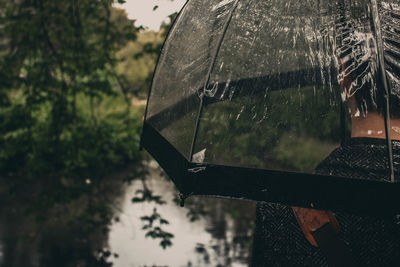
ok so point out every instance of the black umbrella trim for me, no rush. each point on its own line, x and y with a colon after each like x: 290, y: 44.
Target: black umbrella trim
x: 358, y: 196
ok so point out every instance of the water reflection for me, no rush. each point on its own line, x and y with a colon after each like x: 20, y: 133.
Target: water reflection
x: 108, y: 225
x: 67, y: 231
x: 207, y: 231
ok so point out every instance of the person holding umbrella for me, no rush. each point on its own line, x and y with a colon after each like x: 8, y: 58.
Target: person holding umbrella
x: 288, y: 102
x: 306, y: 237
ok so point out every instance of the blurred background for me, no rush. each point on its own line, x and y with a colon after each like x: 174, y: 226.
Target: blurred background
x: 74, y: 188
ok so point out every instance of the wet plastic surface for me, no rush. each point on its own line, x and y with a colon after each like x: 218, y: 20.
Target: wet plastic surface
x: 278, y: 85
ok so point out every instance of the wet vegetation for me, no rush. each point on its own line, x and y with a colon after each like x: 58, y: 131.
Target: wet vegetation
x: 67, y: 126
x: 264, y: 133
x: 73, y: 81
x: 74, y: 77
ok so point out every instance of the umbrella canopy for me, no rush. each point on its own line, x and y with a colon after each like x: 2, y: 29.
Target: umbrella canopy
x: 250, y: 98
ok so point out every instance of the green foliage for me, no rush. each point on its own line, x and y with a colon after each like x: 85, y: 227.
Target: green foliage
x: 291, y: 129
x: 69, y: 73
x: 63, y: 117
x: 301, y: 153
x: 137, y: 60
x: 136, y: 63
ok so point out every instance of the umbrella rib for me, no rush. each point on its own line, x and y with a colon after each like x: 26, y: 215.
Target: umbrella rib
x: 201, y: 105
x: 382, y: 67
x: 342, y: 107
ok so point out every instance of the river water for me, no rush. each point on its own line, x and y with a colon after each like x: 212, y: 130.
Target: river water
x: 220, y: 234
x: 105, y: 227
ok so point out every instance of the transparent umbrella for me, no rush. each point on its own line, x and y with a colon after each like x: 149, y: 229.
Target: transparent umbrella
x: 293, y: 102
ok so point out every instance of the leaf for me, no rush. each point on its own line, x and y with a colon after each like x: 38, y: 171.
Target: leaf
x: 155, y: 7
x: 165, y: 243
x: 168, y: 235
x: 163, y: 221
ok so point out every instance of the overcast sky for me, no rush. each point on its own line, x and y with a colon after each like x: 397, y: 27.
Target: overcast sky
x: 142, y: 11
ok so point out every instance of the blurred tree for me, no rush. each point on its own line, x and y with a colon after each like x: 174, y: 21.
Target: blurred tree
x: 138, y: 59
x: 62, y: 117
x: 136, y: 63
x: 56, y: 50
x: 64, y: 127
